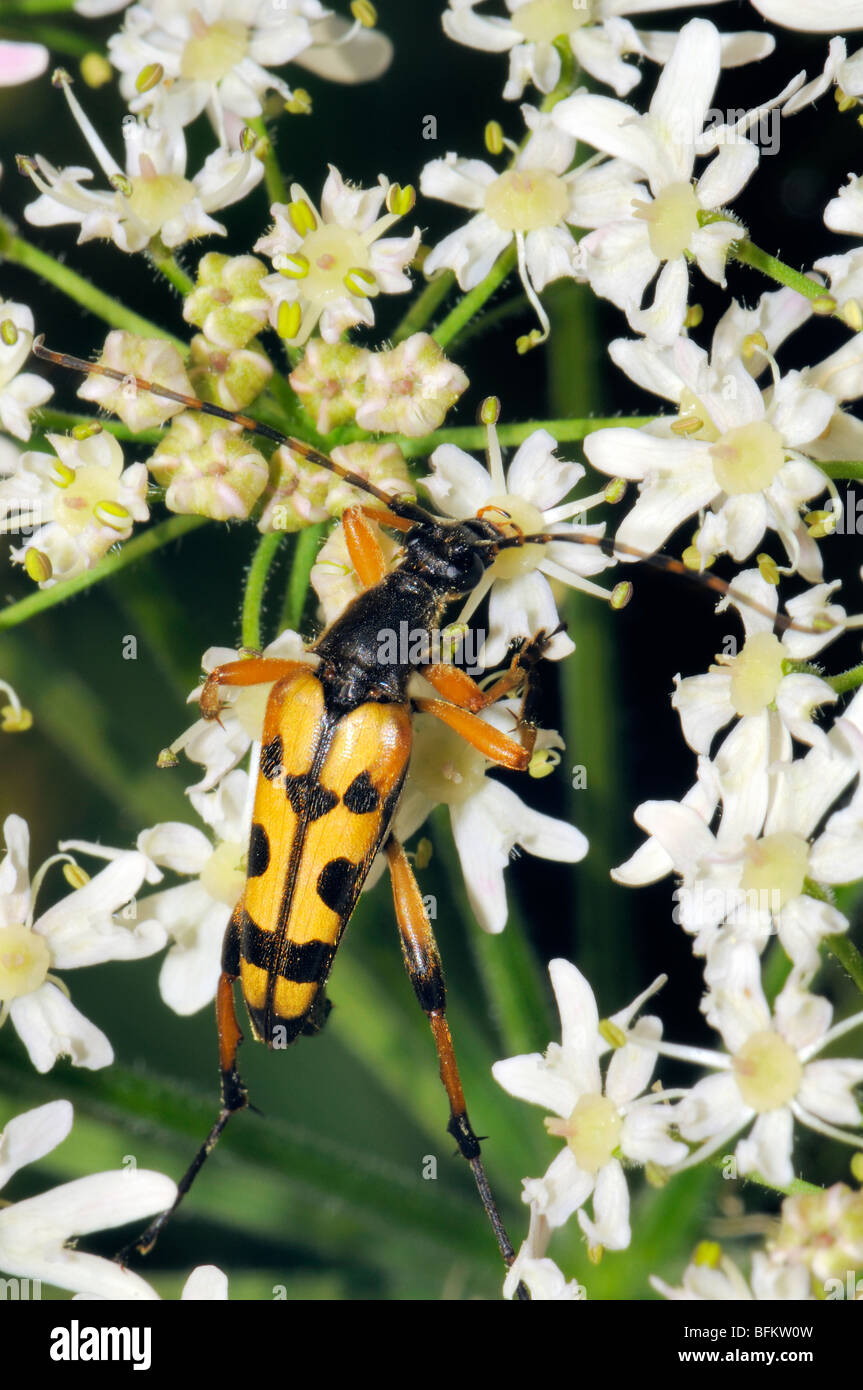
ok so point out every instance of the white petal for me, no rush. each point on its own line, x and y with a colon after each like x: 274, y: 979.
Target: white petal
x: 579, y: 1018
x: 704, y: 705
x: 50, y: 1026
x: 206, y: 1282
x: 802, y: 14
x: 827, y: 1090
x: 610, y: 1227
x: 632, y: 1066
x: 767, y: 1150
x: 530, y: 1078
x: 458, y: 484
x: 32, y: 1232
x: 31, y: 1136
x: 184, y: 849
x: 685, y: 90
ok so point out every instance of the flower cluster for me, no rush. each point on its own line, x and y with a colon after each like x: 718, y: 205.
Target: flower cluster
x: 291, y: 398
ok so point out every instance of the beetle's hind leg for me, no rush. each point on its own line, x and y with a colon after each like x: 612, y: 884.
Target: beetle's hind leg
x: 422, y: 961
x: 234, y: 1094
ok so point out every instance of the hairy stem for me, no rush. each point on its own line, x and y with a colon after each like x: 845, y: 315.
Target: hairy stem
x: 256, y: 584
x: 21, y: 252
x: 305, y: 554
x: 143, y: 544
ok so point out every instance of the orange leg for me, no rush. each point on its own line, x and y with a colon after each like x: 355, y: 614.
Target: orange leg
x: 364, y: 549
x: 489, y: 741
x: 422, y: 961
x: 462, y: 690
x: 234, y: 1094
x: 255, y: 670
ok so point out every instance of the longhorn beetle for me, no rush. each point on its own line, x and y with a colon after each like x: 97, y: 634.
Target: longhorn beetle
x: 335, y: 749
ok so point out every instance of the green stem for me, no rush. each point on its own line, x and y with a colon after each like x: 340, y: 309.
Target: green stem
x: 166, y: 264
x: 39, y: 6
x: 275, y: 184
x: 847, y: 955
x: 21, y: 252
x: 462, y: 313
x: 748, y: 253
x: 459, y: 316
x: 55, y: 420
x: 474, y: 436
x: 842, y: 468
x: 846, y: 680
x: 144, y: 544
x: 424, y: 308
x: 256, y: 583
x: 53, y: 36
x: 305, y: 554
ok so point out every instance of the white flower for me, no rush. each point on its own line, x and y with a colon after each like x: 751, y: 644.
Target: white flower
x: 846, y: 72
x: 752, y: 873
x: 73, y: 507
x: 488, y: 820
x: 219, y: 744
x: 769, y: 1077
x: 599, y: 1119
x: 331, y: 262
x: 722, y: 1280
x: 37, y: 1235
x: 530, y: 496
x: 740, y: 462
x: 153, y: 198
x: 533, y: 202
x: 598, y: 34
x: 20, y: 392
x: 195, y: 913
x: 21, y: 62
x: 409, y: 388
x: 150, y: 359
x: 216, y: 55
x: 540, y: 1275
x: 755, y: 682
x: 78, y: 930
x: 676, y: 219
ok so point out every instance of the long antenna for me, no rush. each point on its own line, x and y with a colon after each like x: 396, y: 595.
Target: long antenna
x: 402, y: 507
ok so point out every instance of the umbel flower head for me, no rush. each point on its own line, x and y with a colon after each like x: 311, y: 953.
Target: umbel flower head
x: 673, y: 220
x: 598, y: 1118
x: 152, y: 200
x: 332, y: 262
x: 37, y: 1235
x: 78, y: 930
x: 529, y: 496
x: 178, y: 60
x: 73, y: 505
x: 597, y: 31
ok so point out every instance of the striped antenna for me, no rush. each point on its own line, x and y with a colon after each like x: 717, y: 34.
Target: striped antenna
x: 410, y: 510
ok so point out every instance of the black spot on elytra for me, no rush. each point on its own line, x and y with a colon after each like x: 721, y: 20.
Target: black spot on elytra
x: 259, y: 852
x: 337, y: 885
x: 271, y: 758
x: 362, y: 796
x: 306, y: 962
x: 307, y: 797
